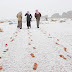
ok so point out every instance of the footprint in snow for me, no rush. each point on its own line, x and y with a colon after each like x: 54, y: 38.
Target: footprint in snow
x: 5, y: 50
x: 32, y: 55
x: 10, y: 37
x: 31, y: 40
x: 35, y: 66
x: 12, y: 40
x: 57, y: 43
x: 0, y: 57
x: 29, y: 43
x: 34, y: 48
x: 65, y: 49
x: 57, y: 39
x: 6, y: 45
x: 1, y: 68
x: 16, y: 32
x: 15, y: 35
x: 62, y: 57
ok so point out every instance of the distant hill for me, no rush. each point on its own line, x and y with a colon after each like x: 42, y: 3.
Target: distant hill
x: 64, y: 15
x: 67, y: 15
x: 56, y: 15
x: 44, y: 17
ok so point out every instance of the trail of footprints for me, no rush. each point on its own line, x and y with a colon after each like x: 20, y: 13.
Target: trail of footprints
x: 7, y: 49
x: 11, y: 40
x: 31, y: 54
x: 64, y: 48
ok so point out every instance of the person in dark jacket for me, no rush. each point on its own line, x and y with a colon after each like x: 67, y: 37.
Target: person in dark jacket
x: 37, y: 16
x: 29, y: 17
x: 19, y: 16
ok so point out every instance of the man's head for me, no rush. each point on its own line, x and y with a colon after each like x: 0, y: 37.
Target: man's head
x: 37, y: 11
x: 28, y: 12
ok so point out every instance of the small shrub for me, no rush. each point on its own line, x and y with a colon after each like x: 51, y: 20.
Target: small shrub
x: 1, y: 22
x: 1, y: 30
x: 10, y: 23
x: 62, y: 21
x: 53, y: 20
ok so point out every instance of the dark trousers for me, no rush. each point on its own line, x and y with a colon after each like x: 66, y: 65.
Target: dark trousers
x: 28, y: 24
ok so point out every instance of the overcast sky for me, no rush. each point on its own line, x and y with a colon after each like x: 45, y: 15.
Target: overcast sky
x: 9, y: 8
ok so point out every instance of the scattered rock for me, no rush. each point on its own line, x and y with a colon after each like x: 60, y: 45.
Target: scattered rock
x: 57, y: 39
x: 53, y: 20
x: 62, y: 21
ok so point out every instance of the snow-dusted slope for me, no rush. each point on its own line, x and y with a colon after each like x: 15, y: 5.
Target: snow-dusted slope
x: 49, y: 47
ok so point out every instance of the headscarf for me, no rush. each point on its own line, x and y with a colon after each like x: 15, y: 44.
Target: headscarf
x: 28, y: 12
x: 37, y: 11
x: 20, y: 13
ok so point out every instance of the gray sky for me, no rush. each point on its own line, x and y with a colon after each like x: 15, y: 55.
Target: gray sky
x: 9, y: 8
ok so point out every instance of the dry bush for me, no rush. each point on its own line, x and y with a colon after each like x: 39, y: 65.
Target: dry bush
x: 10, y: 23
x: 1, y: 30
x: 46, y: 19
x: 53, y: 20
x: 40, y: 22
x: 62, y: 21
x: 1, y: 21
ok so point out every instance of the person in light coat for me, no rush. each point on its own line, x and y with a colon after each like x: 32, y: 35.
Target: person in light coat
x: 19, y: 16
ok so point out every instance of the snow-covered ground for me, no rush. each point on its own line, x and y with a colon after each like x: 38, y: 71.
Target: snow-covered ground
x: 47, y: 49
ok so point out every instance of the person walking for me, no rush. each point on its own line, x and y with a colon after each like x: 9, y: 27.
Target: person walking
x: 29, y: 17
x: 37, y: 16
x: 19, y: 16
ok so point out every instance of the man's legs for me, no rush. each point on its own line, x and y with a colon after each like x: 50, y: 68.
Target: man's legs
x: 37, y: 23
x: 28, y: 24
x: 20, y: 25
